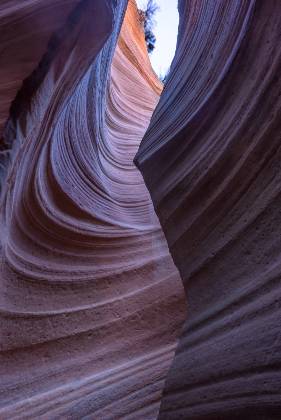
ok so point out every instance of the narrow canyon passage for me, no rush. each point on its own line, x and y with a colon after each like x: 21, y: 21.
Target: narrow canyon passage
x: 95, y: 320
x: 91, y: 302
x: 211, y: 161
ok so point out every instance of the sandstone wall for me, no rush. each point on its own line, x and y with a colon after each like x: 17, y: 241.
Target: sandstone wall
x: 91, y: 303
x: 211, y: 161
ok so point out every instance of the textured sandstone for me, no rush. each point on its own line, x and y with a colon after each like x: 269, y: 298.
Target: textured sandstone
x: 91, y: 303
x: 25, y: 31
x: 211, y: 160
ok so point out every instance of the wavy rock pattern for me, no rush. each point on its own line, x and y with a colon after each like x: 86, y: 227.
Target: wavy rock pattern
x: 25, y: 30
x: 211, y: 160
x: 91, y: 303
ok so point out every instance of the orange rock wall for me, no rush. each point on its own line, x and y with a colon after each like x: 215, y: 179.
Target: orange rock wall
x: 91, y: 303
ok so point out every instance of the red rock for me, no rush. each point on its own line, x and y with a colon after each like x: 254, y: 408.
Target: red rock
x: 211, y: 161
x: 91, y: 303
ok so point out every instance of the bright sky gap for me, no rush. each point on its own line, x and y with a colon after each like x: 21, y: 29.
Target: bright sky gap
x: 166, y: 31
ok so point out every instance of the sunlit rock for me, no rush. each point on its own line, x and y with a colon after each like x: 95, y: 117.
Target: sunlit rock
x: 91, y: 303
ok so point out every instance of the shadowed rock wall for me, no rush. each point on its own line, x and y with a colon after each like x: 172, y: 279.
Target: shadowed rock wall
x: 211, y: 161
x: 91, y: 303
x: 26, y: 27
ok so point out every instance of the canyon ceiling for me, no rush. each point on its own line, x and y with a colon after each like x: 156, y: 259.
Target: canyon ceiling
x: 133, y: 214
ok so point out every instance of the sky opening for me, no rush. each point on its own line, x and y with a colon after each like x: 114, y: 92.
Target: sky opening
x: 166, y: 31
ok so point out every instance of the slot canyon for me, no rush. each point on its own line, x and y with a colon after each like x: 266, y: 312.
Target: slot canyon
x: 140, y: 223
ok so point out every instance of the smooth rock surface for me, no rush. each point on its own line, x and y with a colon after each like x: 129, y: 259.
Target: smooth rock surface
x: 211, y: 161
x: 25, y: 31
x: 91, y: 303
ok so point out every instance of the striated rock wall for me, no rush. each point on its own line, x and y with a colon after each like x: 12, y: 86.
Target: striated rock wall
x: 211, y: 161
x: 91, y: 303
x: 26, y: 27
x: 25, y: 31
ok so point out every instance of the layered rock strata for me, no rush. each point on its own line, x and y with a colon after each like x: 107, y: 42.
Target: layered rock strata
x: 211, y: 161
x: 91, y: 303
x: 26, y: 29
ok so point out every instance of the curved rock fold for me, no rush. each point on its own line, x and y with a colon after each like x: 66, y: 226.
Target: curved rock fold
x: 210, y: 161
x: 91, y: 302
